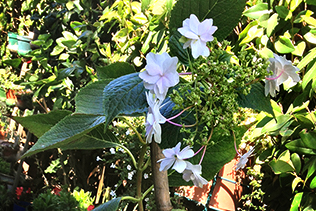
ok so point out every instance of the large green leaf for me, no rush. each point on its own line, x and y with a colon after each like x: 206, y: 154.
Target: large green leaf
x: 124, y: 95
x: 115, y: 70
x: 96, y: 139
x: 40, y: 123
x: 176, y: 49
x: 90, y: 98
x: 68, y: 129
x: 110, y: 205
x: 256, y: 99
x: 225, y: 14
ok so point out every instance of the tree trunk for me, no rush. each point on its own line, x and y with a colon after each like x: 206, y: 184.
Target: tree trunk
x: 161, y: 185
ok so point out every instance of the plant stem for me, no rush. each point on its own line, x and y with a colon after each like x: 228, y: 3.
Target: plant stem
x: 160, y: 179
x: 139, y: 178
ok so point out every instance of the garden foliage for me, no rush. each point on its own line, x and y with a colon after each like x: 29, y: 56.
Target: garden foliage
x: 85, y: 69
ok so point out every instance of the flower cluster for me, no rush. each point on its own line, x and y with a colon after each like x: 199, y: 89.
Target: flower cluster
x: 159, y: 75
x: 282, y: 70
x: 176, y: 158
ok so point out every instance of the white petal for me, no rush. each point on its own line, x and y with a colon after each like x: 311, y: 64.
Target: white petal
x: 179, y: 165
x: 166, y: 163
x: 185, y: 153
x: 199, y: 48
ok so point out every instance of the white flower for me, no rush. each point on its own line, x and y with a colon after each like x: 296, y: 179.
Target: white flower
x: 145, y: 176
x: 198, y: 34
x: 98, y: 158
x: 193, y: 172
x: 113, y: 166
x: 154, y: 119
x: 129, y: 167
x: 112, y: 193
x: 244, y: 159
x: 160, y: 74
x: 282, y: 70
x: 112, y: 150
x: 130, y: 175
x: 176, y: 158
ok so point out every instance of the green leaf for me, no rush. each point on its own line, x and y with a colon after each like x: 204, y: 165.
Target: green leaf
x: 295, y: 182
x: 145, y: 5
x: 307, y: 59
x: 96, y: 139
x: 296, y: 160
x: 272, y: 23
x: 225, y: 14
x: 256, y: 11
x: 283, y: 12
x: 13, y: 62
x: 294, y: 4
x: 305, y: 145
x: 284, y: 45
x: 115, y: 70
x: 310, y: 2
x: 124, y: 95
x: 90, y: 98
x: 68, y: 129
x: 313, y: 183
x: 110, y: 205
x: 3, y: 96
x: 255, y: 99
x: 40, y: 123
x: 57, y: 50
x: 299, y: 49
x: 311, y: 166
x: 283, y: 164
x: 296, y: 201
x: 310, y: 75
x: 310, y: 37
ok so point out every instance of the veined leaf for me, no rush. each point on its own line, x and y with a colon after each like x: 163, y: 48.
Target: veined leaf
x: 255, y: 99
x: 40, y: 123
x: 225, y: 14
x: 124, y: 95
x: 68, y: 129
x: 90, y: 98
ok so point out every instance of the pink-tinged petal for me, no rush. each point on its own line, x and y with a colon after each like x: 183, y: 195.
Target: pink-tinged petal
x: 205, y: 26
x: 185, y: 153
x: 179, y: 165
x: 148, y: 78
x: 188, y: 34
x: 170, y: 65
x: 166, y: 163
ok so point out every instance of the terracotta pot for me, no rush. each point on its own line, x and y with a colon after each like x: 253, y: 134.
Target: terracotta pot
x: 226, y: 193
